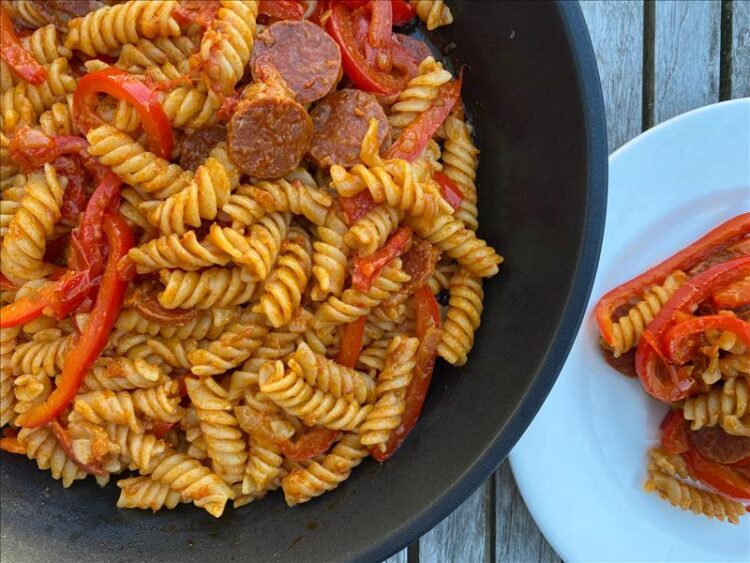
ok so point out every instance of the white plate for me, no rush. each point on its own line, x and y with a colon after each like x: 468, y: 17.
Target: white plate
x: 581, y: 464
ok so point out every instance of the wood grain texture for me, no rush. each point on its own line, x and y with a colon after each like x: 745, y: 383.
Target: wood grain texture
x: 462, y: 537
x: 616, y: 30
x: 740, y: 49
x: 517, y: 537
x: 686, y: 51
x: 400, y: 557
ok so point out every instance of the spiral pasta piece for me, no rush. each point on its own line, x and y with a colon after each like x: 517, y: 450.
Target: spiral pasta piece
x: 44, y: 45
x: 735, y: 364
x: 25, y: 13
x: 283, y: 289
x: 460, y: 165
x: 8, y: 167
x: 263, y: 467
x: 193, y: 107
x: 305, y: 483
x: 212, y: 287
x: 30, y: 390
x: 371, y: 231
x: 145, y: 493
x: 672, y: 465
x: 25, y: 102
x: 8, y: 338
x: 331, y: 377
x: 330, y: 255
x: 419, y: 94
x: 148, y: 54
x: 42, y: 446
x: 452, y: 237
x: 43, y: 355
x: 206, y: 324
x: 122, y: 374
x: 22, y: 252
x: 174, y: 251
x: 135, y: 165
x: 201, y: 199
x: 627, y: 331
x: 58, y: 119
x: 235, y: 345
x: 138, y: 450
x: 190, y: 424
x: 226, y: 446
x: 297, y: 397
x: 396, y: 183
x: 227, y: 44
x: 107, y: 406
x: 462, y: 320
x: 694, y: 499
x: 277, y: 345
x: 193, y: 481
x: 732, y: 399
x: 354, y: 304
x: 106, y: 30
x: 257, y: 250
x: 434, y: 13
x: 391, y: 392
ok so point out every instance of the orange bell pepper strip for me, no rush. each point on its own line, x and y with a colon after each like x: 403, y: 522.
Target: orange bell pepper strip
x: 368, y: 268
x: 95, y: 334
x: 678, y: 343
x: 352, y: 342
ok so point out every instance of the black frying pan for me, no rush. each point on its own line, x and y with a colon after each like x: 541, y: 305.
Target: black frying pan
x: 533, y: 93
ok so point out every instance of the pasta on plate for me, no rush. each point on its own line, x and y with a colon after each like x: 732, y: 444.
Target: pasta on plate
x: 683, y: 328
x: 234, y: 238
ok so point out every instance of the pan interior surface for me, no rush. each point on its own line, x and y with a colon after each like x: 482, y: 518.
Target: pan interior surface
x: 532, y: 92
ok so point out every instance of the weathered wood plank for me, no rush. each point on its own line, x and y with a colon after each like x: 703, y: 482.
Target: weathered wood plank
x: 616, y: 30
x: 740, y: 49
x: 462, y: 536
x: 686, y: 51
x: 516, y: 536
x: 400, y: 557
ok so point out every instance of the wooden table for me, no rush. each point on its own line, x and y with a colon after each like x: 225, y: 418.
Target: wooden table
x: 656, y: 60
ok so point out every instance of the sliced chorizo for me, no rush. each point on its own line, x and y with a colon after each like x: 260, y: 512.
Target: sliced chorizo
x: 715, y: 444
x: 303, y: 54
x: 60, y: 12
x: 195, y: 147
x: 269, y: 134
x: 340, y: 123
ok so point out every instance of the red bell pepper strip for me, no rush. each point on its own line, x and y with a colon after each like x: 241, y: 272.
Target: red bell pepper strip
x: 713, y: 241
x: 356, y: 66
x: 96, y: 332
x: 161, y: 429
x: 282, y: 9
x: 416, y: 393
x: 19, y: 59
x: 403, y: 12
x: 357, y: 206
x: 428, y: 313
x: 31, y: 148
x: 650, y: 361
x: 678, y: 343
x: 124, y: 86
x: 674, y: 433
x: 413, y: 140
x: 313, y: 442
x: 352, y: 342
x: 733, y: 296
x: 368, y: 268
x: 722, y: 478
x: 451, y: 192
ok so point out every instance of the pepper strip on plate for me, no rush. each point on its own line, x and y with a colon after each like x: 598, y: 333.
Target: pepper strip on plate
x: 678, y: 342
x: 429, y: 334
x: 124, y: 86
x: 282, y: 9
x: 650, y: 361
x: 450, y: 191
x: 357, y: 206
x: 95, y: 334
x: 19, y: 59
x: 713, y: 241
x: 674, y: 433
x: 733, y: 296
x: 718, y: 476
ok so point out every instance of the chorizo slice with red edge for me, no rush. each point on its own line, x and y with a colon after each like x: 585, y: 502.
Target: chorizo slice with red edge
x: 269, y: 134
x: 303, y: 54
x: 340, y: 122
x: 716, y: 444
